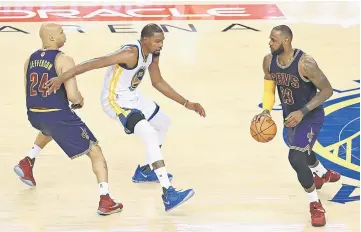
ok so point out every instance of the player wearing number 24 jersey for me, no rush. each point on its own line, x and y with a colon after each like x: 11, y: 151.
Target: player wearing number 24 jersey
x: 51, y: 115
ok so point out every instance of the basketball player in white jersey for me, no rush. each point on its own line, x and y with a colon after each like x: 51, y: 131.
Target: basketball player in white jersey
x: 122, y: 101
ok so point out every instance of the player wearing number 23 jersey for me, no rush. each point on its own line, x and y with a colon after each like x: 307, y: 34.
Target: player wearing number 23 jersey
x: 298, y: 78
x: 294, y: 90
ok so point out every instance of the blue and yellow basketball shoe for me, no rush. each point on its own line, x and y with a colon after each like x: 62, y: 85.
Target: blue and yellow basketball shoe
x: 173, y: 198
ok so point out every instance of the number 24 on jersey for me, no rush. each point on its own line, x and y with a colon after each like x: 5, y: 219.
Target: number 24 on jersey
x: 34, y: 79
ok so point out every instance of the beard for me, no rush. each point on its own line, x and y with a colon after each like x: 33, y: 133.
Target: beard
x: 156, y: 53
x: 278, y: 51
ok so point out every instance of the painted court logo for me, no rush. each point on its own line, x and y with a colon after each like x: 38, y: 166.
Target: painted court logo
x: 338, y: 145
x: 339, y: 140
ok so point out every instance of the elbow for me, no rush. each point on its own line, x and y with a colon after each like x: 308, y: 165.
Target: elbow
x: 326, y: 93
x: 155, y: 84
x: 74, y: 98
x: 71, y: 99
x: 329, y: 93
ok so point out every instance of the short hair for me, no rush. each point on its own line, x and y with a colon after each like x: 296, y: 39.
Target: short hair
x: 150, y: 29
x: 284, y: 29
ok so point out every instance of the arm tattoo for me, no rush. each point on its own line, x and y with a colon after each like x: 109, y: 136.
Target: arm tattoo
x: 318, y: 78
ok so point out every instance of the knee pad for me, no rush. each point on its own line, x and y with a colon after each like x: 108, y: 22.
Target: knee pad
x: 298, y: 161
x: 133, y: 120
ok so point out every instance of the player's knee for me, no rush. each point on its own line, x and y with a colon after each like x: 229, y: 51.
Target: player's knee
x: 305, y: 178
x: 298, y: 161
x: 133, y: 121
x: 161, y: 121
x: 147, y: 133
x: 95, y: 152
x: 165, y: 122
x: 146, y: 130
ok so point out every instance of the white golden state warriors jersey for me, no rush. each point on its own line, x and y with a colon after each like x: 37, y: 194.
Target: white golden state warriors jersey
x: 120, y: 83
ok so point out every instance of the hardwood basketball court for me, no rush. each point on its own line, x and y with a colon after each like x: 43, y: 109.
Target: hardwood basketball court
x: 240, y: 185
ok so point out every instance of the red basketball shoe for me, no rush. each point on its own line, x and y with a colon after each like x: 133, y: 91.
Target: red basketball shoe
x: 25, y: 171
x: 317, y: 214
x: 330, y: 176
x: 107, y: 206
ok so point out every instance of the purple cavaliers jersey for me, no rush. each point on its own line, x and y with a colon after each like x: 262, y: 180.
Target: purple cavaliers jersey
x: 41, y: 68
x: 294, y: 90
x: 50, y: 113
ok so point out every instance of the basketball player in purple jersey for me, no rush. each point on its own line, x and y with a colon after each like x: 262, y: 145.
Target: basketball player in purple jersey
x: 55, y: 120
x: 298, y: 77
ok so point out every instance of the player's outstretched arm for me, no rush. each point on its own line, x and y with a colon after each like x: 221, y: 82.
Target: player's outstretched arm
x: 310, y: 70
x: 162, y: 86
x: 65, y: 63
x: 126, y: 56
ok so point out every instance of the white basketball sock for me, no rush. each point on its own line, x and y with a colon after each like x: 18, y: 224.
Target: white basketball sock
x: 34, y: 151
x: 148, y: 134
x: 320, y: 170
x: 103, y: 188
x: 162, y: 177
x: 312, y: 196
x: 161, y: 123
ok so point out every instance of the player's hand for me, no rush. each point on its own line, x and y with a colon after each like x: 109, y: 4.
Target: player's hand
x: 53, y: 84
x: 293, y: 119
x: 197, y: 108
x: 264, y: 113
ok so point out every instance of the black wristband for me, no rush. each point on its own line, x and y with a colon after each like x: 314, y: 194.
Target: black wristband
x: 304, y: 110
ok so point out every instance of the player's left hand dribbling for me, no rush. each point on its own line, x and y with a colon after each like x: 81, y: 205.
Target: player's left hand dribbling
x: 197, y: 108
x: 293, y: 119
x: 265, y: 113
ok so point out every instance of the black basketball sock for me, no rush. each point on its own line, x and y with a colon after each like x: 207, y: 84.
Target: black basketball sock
x: 146, y: 168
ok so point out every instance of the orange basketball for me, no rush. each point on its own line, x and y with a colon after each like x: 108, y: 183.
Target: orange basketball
x: 263, y: 130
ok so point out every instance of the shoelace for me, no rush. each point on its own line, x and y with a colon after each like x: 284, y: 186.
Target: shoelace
x: 176, y: 191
